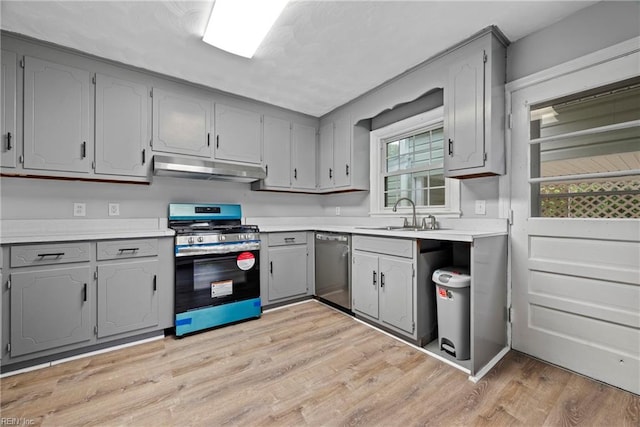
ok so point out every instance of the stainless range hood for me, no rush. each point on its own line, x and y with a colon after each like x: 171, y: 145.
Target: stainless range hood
x: 205, y: 169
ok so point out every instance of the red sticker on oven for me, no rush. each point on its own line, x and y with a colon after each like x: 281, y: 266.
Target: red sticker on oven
x: 246, y: 260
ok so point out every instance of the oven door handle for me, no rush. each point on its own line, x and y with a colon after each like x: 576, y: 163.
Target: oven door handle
x: 219, y: 249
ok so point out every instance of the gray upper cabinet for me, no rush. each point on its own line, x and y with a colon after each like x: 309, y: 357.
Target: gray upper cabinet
x: 50, y: 308
x: 181, y: 124
x: 277, y: 152
x: 57, y: 128
x: 474, y: 112
x: 303, y: 146
x: 289, y: 156
x: 8, y: 113
x: 325, y: 161
x: 238, y: 135
x: 127, y: 297
x: 122, y: 127
x: 343, y: 155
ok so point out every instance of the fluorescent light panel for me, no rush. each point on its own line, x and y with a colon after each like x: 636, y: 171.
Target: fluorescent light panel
x: 239, y: 26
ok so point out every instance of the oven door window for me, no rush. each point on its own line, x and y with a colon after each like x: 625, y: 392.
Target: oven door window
x: 208, y: 280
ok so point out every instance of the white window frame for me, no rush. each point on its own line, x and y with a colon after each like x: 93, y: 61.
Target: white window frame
x: 377, y: 138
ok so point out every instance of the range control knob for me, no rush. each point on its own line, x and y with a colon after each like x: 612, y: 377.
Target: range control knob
x: 190, y: 240
x: 200, y: 239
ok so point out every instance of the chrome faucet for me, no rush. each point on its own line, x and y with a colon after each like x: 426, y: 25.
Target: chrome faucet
x: 432, y: 222
x: 413, y: 205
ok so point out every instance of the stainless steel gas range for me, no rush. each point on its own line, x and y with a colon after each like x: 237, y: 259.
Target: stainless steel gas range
x: 217, y: 262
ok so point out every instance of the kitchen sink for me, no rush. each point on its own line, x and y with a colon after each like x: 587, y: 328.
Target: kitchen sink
x: 399, y: 228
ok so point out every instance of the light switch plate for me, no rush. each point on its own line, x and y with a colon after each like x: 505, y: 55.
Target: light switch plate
x: 114, y: 209
x: 79, y: 209
x: 337, y: 210
x: 481, y: 207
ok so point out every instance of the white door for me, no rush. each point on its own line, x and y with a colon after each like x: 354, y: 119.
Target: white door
x: 575, y: 281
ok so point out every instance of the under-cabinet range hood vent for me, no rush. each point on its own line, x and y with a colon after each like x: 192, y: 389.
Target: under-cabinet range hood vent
x: 205, y: 169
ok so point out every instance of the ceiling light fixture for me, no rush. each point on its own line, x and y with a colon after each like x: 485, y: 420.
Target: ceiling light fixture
x: 239, y: 26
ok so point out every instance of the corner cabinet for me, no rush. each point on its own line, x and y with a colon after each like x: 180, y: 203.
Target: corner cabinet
x: 181, y: 124
x: 68, y: 298
x: 238, y: 135
x: 289, y: 156
x: 287, y: 273
x: 343, y: 161
x: 8, y: 109
x: 474, y: 112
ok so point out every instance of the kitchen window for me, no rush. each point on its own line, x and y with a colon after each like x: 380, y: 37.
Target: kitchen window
x: 407, y: 160
x: 585, y: 156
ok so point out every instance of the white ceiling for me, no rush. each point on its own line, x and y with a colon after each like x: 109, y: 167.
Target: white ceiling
x: 319, y: 55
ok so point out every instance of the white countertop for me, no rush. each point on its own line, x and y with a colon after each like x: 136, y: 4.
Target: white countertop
x: 61, y: 230
x: 453, y: 230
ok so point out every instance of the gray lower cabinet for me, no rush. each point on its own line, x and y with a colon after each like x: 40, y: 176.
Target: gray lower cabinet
x: 383, y: 289
x: 286, y: 272
x: 127, y: 296
x: 65, y: 298
x: 50, y: 308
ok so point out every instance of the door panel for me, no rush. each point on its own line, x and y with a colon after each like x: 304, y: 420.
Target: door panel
x: 122, y: 133
x: 127, y: 297
x: 365, y: 281
x: 277, y: 152
x: 304, y: 156
x: 396, y: 293
x: 50, y: 308
x: 56, y: 117
x: 342, y: 152
x: 325, y: 164
x: 238, y: 134
x: 575, y: 281
x: 287, y: 271
x: 8, y: 113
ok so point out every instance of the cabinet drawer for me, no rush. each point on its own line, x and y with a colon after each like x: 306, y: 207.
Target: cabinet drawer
x: 55, y: 253
x: 383, y: 245
x: 279, y: 239
x: 129, y: 248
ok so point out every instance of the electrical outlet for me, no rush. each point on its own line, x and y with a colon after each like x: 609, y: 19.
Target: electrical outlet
x: 481, y: 207
x: 79, y: 209
x: 114, y: 209
x: 337, y: 210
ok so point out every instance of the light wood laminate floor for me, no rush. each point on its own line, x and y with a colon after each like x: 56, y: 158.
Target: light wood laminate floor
x: 302, y: 365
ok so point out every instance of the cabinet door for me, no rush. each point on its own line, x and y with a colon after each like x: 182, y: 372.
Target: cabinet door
x: 287, y: 272
x: 8, y: 113
x: 277, y: 152
x: 465, y: 115
x: 50, y: 308
x: 181, y: 124
x: 396, y: 293
x: 122, y: 134
x: 127, y: 297
x: 238, y: 136
x: 304, y: 156
x: 342, y: 152
x: 364, y: 283
x: 326, y: 156
x: 56, y: 117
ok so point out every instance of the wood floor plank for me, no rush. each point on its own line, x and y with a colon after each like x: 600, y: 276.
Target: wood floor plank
x: 304, y: 365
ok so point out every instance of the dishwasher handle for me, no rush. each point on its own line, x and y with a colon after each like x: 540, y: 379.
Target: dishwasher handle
x: 332, y: 237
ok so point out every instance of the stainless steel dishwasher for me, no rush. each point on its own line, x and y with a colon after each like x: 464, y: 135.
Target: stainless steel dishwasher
x: 333, y: 269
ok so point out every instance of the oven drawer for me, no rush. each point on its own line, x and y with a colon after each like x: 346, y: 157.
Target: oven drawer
x: 128, y: 248
x: 292, y: 238
x: 46, y: 254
